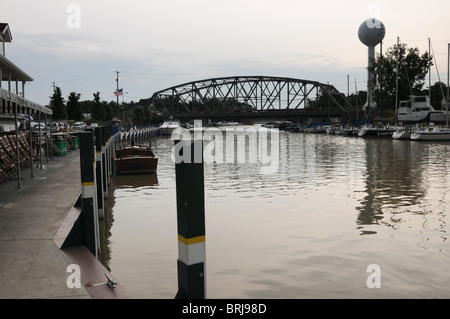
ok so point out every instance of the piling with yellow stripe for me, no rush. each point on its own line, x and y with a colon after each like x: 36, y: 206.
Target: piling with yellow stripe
x: 191, y: 224
x: 99, y: 170
x: 86, y: 228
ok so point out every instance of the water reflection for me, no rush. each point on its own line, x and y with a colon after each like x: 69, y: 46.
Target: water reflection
x: 135, y: 181
x: 297, y: 233
x: 393, y: 181
x: 128, y: 182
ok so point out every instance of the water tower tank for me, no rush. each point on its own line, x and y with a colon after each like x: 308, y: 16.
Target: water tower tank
x: 371, y: 32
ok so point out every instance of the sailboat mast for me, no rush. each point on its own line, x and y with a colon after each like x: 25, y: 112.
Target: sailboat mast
x: 448, y: 76
x: 429, y: 71
x: 396, y: 78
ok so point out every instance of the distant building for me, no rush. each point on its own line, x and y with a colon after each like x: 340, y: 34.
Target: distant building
x: 12, y: 88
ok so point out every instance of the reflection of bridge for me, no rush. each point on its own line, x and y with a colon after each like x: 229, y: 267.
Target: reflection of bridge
x: 248, y: 97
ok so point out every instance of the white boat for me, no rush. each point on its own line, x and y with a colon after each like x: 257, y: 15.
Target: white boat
x: 227, y: 123
x: 403, y: 133
x: 436, y: 133
x: 368, y: 130
x: 347, y: 131
x: 168, y: 126
x: 418, y: 109
x: 432, y: 133
x: 415, y: 110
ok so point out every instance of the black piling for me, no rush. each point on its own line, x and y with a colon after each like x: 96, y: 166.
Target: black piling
x: 85, y: 230
x: 99, y: 170
x: 190, y: 221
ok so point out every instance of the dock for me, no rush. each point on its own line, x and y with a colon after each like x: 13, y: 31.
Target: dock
x: 34, y: 222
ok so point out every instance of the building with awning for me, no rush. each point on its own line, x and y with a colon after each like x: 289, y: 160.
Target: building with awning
x: 13, y: 103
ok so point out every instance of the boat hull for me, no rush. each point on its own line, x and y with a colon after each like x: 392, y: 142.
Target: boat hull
x: 136, y: 165
x: 167, y: 130
x: 432, y: 134
x: 401, y: 135
x: 135, y: 160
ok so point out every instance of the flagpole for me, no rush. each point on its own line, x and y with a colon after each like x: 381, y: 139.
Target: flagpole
x: 117, y: 83
x: 123, y: 106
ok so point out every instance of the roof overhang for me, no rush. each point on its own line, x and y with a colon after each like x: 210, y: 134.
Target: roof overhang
x: 5, y: 32
x: 8, y: 68
x: 22, y: 102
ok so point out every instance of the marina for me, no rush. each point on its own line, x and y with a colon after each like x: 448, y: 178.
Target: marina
x: 228, y: 186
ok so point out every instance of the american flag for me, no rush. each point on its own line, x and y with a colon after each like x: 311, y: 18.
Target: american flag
x: 118, y: 92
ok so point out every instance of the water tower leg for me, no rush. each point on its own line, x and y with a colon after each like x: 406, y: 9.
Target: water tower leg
x: 370, y: 84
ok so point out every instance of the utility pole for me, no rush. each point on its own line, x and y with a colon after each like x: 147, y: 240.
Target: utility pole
x: 117, y: 81
x: 117, y: 96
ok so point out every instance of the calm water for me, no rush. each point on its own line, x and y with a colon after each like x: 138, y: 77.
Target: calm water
x: 336, y: 205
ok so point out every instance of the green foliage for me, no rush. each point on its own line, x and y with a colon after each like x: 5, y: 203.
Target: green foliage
x: 412, y: 70
x: 57, y: 105
x: 109, y: 110
x: 438, y: 93
x: 74, y: 108
x: 173, y: 105
x: 98, y: 112
x: 141, y: 115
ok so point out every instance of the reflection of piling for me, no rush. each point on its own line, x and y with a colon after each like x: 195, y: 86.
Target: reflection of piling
x: 191, y: 225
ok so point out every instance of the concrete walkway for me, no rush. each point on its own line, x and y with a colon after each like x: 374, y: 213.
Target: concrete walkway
x: 31, y: 218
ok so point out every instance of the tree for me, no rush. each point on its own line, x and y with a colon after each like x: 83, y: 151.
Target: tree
x: 57, y: 105
x: 98, y: 109
x: 438, y: 94
x: 109, y: 110
x: 73, y: 107
x: 412, y: 70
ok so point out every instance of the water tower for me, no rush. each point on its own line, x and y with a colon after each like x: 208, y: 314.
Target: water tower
x: 371, y: 32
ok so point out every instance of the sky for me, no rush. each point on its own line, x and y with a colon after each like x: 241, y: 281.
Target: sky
x: 78, y: 45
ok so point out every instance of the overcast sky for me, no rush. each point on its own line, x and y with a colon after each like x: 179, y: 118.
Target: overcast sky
x: 155, y: 44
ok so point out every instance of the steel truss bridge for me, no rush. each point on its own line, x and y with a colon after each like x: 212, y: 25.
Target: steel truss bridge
x: 246, y: 96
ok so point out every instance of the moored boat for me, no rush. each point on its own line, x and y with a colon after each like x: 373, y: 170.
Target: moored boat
x: 432, y: 133
x: 403, y: 133
x: 134, y: 159
x: 169, y: 126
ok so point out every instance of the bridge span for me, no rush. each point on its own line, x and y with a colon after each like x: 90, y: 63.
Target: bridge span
x: 240, y: 97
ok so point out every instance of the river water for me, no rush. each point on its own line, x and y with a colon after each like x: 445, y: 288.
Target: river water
x: 342, y: 217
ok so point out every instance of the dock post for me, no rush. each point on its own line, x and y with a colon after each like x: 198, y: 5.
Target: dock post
x: 19, y: 183
x: 30, y: 142
x: 103, y: 142
x: 190, y: 222
x: 111, y: 151
x: 99, y: 170
x: 88, y: 194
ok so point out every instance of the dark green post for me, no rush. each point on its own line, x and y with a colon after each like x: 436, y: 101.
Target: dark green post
x: 99, y: 170
x: 191, y: 221
x: 104, y: 180
x: 88, y: 193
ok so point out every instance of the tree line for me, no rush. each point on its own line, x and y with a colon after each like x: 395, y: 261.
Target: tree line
x: 100, y: 111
